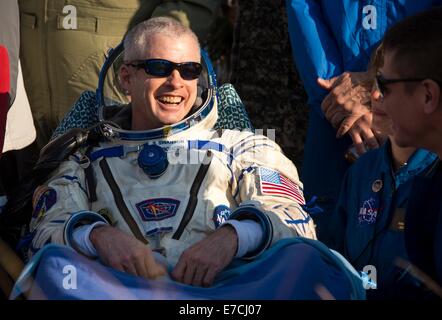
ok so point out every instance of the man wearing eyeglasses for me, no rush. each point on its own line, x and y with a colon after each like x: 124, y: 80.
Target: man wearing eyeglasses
x: 410, y: 85
x: 241, y: 197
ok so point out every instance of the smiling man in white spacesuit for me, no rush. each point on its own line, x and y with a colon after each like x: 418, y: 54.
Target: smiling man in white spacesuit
x: 238, y: 200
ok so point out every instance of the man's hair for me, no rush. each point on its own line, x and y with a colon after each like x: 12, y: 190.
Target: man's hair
x: 416, y: 43
x: 137, y: 39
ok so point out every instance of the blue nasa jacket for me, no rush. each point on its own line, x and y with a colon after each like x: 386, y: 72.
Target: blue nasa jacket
x: 328, y: 38
x: 423, y: 235
x: 369, y: 220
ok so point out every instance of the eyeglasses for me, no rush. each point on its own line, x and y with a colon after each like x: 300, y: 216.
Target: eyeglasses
x: 163, y: 68
x: 381, y: 82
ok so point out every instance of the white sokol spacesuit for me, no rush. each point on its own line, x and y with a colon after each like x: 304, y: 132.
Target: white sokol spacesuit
x: 172, y: 189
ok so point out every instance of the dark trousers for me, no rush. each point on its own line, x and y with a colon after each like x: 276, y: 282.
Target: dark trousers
x: 14, y: 166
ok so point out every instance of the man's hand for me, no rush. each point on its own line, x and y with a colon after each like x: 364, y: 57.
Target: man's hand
x: 199, y: 264
x: 347, y: 107
x: 349, y: 95
x: 364, y: 135
x: 125, y: 253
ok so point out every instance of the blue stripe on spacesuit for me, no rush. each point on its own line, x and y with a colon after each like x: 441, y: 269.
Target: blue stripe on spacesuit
x: 252, y: 147
x: 75, y: 179
x: 70, y: 178
x: 205, y: 145
x: 297, y: 221
x: 159, y: 230
x: 111, y: 152
x: 230, y: 157
x: 120, y: 151
x: 248, y: 139
x: 237, y: 148
x: 75, y: 158
x: 241, y: 176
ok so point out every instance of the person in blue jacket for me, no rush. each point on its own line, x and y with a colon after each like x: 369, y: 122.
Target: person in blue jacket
x: 410, y: 80
x: 333, y: 41
x: 369, y: 220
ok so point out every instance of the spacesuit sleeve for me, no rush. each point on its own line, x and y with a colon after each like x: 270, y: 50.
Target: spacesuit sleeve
x: 268, y: 190
x: 59, y: 206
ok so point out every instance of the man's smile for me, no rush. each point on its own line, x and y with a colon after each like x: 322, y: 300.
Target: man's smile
x: 169, y: 99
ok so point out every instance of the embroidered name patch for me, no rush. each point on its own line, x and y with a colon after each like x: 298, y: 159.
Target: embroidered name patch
x: 157, y: 208
x: 274, y: 183
x: 220, y: 215
x: 368, y: 212
x: 46, y: 199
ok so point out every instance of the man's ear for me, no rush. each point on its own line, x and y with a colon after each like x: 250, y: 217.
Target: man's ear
x: 125, y: 78
x: 432, y: 96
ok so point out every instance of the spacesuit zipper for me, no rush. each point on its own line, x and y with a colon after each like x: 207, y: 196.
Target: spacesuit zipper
x: 119, y: 201
x: 191, y: 205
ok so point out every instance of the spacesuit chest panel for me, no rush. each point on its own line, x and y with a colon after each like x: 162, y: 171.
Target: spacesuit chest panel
x: 180, y: 200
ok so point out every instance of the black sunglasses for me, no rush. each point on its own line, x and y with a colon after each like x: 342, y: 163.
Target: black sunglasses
x: 382, y: 82
x: 163, y: 68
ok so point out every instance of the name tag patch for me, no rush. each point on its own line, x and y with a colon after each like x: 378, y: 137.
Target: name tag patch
x: 398, y: 220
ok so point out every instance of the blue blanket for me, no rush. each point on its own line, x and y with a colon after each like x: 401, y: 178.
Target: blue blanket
x: 292, y: 269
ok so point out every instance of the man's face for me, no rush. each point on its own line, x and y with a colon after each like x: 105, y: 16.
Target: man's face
x: 160, y: 101
x: 402, y: 106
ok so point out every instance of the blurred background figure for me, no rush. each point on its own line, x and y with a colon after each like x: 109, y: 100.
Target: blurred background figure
x: 264, y: 75
x: 4, y: 93
x: 17, y: 131
x: 64, y: 44
x: 17, y: 149
x: 220, y: 40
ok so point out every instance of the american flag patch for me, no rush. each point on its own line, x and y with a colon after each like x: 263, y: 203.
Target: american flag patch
x: 274, y: 183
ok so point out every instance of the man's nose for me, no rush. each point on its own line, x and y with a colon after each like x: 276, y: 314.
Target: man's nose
x: 376, y: 97
x: 377, y: 100
x: 175, y: 79
x: 376, y: 94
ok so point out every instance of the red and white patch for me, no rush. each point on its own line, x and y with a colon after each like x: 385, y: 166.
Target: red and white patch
x: 274, y: 183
